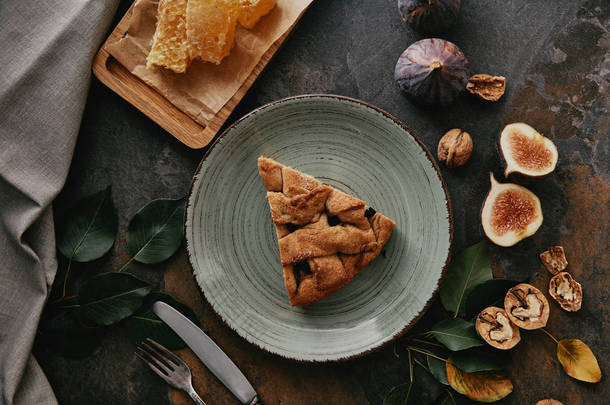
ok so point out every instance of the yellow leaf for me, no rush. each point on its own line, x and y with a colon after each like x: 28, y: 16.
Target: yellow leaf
x: 482, y: 386
x: 578, y: 360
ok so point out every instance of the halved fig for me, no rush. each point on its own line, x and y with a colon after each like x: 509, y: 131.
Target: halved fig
x: 549, y: 401
x: 566, y: 291
x: 496, y: 329
x: 554, y: 259
x: 526, y: 306
x: 527, y: 152
x: 510, y: 213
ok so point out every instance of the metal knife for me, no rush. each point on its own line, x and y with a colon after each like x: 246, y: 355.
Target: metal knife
x: 208, y: 352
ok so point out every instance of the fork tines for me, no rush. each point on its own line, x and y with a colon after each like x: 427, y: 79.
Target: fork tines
x: 168, y: 366
x: 158, y: 358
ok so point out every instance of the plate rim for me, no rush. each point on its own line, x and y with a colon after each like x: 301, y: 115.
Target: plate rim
x: 435, y: 166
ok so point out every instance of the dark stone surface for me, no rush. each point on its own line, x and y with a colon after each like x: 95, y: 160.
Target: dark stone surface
x: 556, y: 57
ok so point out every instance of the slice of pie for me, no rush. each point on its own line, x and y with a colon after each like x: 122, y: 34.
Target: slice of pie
x: 325, y: 236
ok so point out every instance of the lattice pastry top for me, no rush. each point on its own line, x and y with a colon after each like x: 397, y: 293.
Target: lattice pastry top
x: 325, y: 236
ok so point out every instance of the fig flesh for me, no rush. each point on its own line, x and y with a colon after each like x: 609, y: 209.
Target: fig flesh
x: 429, y: 16
x: 526, y: 307
x: 527, y: 152
x: 432, y: 72
x: 510, y: 213
x: 494, y: 327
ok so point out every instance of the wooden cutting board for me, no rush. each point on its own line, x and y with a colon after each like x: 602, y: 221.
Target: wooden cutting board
x: 159, y: 109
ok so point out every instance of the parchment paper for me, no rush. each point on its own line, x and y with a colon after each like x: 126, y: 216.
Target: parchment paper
x: 205, y: 87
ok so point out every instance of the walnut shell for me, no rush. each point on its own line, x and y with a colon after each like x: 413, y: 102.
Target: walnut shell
x: 487, y: 87
x: 549, y: 401
x: 566, y: 291
x: 554, y: 259
x: 526, y: 306
x: 454, y: 148
x: 494, y: 327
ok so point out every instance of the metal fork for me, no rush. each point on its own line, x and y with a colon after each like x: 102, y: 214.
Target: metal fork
x: 169, y: 367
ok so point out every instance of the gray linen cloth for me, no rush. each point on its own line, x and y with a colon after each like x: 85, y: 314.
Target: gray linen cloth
x: 46, y: 49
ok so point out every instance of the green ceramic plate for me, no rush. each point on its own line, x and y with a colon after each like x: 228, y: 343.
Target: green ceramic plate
x: 350, y: 145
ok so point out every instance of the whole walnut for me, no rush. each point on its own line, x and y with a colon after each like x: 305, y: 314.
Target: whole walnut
x: 455, y: 148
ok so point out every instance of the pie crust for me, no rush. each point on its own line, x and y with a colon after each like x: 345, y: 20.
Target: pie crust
x: 325, y: 236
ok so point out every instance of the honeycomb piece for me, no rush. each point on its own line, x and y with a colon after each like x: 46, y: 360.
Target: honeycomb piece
x: 169, y: 45
x: 210, y: 28
x: 252, y: 10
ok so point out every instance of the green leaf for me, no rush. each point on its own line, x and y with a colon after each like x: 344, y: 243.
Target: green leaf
x: 67, y: 336
x: 472, y: 361
x: 108, y: 298
x: 145, y: 324
x: 486, y: 294
x: 156, y: 231
x: 456, y: 334
x: 89, y: 230
x: 467, y: 270
x: 405, y: 394
x: 437, y: 369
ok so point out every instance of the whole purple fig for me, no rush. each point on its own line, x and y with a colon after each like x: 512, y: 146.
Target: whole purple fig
x: 429, y: 16
x: 432, y: 72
